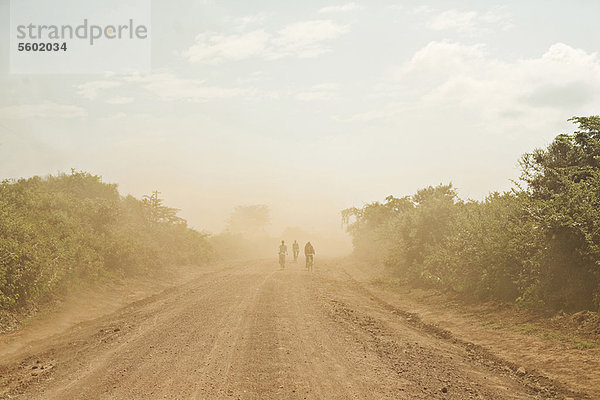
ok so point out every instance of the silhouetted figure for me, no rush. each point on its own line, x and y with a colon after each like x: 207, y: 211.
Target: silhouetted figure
x: 282, y: 254
x: 309, y: 253
x: 296, y: 249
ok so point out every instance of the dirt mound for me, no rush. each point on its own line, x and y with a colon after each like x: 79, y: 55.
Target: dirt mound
x: 584, y: 322
x: 12, y: 319
x: 8, y: 321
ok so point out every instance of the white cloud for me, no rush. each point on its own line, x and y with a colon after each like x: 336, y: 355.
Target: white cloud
x: 244, y: 22
x: 324, y: 91
x: 166, y: 86
x: 120, y: 100
x: 301, y: 39
x: 214, y: 48
x: 46, y: 109
x: 453, y: 19
x: 390, y: 110
x: 396, y: 7
x: 423, y: 9
x: 120, y: 116
x: 445, y: 58
x: 305, y: 39
x: 340, y: 8
x: 89, y: 90
x: 470, y: 22
x: 467, y: 77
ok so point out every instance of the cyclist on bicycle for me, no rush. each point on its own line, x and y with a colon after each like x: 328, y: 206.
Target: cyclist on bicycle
x: 296, y: 249
x: 309, y: 253
x: 282, y: 254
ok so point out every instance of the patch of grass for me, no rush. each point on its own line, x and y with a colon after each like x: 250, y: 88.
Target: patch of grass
x: 583, y: 345
x: 576, y: 343
x: 524, y: 328
x: 554, y: 337
x: 531, y: 329
x: 490, y: 324
x: 387, y: 282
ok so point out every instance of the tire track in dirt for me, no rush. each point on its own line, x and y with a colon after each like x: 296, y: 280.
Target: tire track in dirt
x: 287, y: 330
x: 224, y: 349
x: 148, y: 332
x: 256, y: 332
x: 539, y: 384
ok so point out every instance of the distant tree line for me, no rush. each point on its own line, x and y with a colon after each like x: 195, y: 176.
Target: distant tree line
x: 537, y: 245
x: 58, y: 230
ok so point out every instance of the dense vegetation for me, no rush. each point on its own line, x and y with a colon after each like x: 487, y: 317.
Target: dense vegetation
x: 73, y: 227
x: 538, y: 244
x: 245, y: 235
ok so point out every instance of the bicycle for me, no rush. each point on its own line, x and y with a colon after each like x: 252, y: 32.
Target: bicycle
x: 310, y: 259
x: 282, y: 260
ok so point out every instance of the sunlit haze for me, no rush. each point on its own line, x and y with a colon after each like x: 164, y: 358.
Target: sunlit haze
x: 311, y: 107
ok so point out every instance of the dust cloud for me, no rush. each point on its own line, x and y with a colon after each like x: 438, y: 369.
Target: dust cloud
x: 251, y: 232
x: 296, y: 210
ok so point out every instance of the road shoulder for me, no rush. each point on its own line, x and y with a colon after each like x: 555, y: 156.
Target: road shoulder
x: 538, y: 346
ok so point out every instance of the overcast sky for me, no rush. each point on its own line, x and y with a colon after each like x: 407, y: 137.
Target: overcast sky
x: 312, y: 106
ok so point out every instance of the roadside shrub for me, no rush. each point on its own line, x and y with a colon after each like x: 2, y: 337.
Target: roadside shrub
x: 538, y: 245
x: 73, y: 227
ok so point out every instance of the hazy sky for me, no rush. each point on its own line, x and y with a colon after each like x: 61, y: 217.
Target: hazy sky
x: 312, y: 106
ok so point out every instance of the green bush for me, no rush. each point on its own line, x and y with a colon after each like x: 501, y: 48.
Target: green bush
x: 73, y: 227
x: 538, y: 245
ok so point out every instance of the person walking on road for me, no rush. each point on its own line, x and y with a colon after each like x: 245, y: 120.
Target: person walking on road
x: 296, y: 249
x: 309, y: 253
x: 282, y: 254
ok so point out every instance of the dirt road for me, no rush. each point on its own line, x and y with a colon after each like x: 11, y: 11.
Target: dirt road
x: 252, y: 331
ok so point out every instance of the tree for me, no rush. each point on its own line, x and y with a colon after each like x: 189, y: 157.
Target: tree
x: 564, y: 186
x: 249, y: 220
x: 537, y: 245
x: 157, y: 212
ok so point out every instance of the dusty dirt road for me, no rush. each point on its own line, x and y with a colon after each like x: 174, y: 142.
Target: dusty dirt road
x: 253, y: 331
